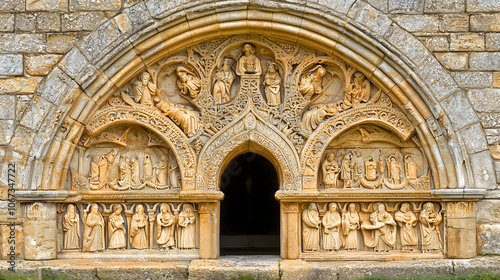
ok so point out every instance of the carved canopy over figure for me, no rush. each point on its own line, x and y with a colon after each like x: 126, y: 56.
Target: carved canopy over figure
x: 248, y: 63
x: 222, y: 83
x: 144, y: 89
x: 187, y: 228
x: 187, y: 82
x: 186, y: 119
x: 93, y: 238
x: 350, y: 227
x: 165, y: 223
x: 331, y: 171
x: 407, y: 222
x: 138, y: 229
x: 272, y: 83
x: 429, y: 228
x: 116, y: 229
x: 312, y: 82
x: 358, y: 91
x: 71, y: 228
x: 331, y: 224
x: 380, y: 232
x: 310, y: 228
x: 316, y: 115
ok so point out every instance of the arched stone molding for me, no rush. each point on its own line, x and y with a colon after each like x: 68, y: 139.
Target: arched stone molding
x: 248, y: 133
x: 392, y: 58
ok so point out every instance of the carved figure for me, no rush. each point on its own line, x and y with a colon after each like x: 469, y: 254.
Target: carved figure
x: 94, y: 170
x: 161, y: 171
x: 248, y: 63
x: 71, y: 229
x: 316, y: 115
x: 310, y: 228
x: 312, y: 82
x: 380, y: 232
x: 331, y: 224
x: 186, y: 119
x: 148, y: 167
x: 331, y: 171
x: 358, y: 91
x: 272, y: 83
x: 394, y: 169
x: 429, y: 228
x: 165, y: 223
x: 187, y: 228
x: 135, y: 170
x: 144, y: 89
x: 410, y: 168
x: 222, y: 83
x: 173, y: 173
x: 346, y: 170
x: 187, y: 82
x: 138, y: 230
x: 407, y: 222
x: 99, y: 170
x: 350, y: 227
x: 116, y: 229
x: 371, y: 169
x: 93, y: 238
x: 125, y: 173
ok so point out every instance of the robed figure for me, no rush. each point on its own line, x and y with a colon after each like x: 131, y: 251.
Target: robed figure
x: 407, y: 222
x: 331, y: 171
x: 310, y: 228
x: 116, y: 229
x: 93, y: 237
x: 187, y: 82
x: 331, y: 224
x: 312, y: 82
x: 272, y: 82
x: 165, y: 223
x: 222, y: 83
x: 358, y: 91
x: 429, y: 228
x: 71, y: 228
x: 138, y: 229
x: 350, y: 227
x: 248, y: 63
x: 144, y: 89
x: 187, y: 228
x: 380, y: 232
x: 346, y: 170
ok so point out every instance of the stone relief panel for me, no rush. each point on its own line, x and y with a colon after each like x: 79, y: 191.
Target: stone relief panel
x: 95, y: 227
x: 372, y: 226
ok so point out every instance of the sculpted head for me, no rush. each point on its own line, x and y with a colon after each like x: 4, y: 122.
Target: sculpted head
x: 71, y: 209
x: 188, y: 208
x: 117, y: 209
x: 405, y: 207
x: 139, y: 209
x: 313, y: 206
x: 164, y: 209
x: 380, y: 207
x: 145, y: 78
x: 332, y: 206
x: 330, y: 157
x: 247, y: 49
x: 352, y: 207
x: 94, y: 209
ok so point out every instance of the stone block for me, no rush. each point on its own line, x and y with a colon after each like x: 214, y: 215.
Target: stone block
x: 12, y: 5
x: 60, y: 43
x: 47, y: 5
x: 454, y: 23
x: 40, y: 240
x: 474, y: 138
x: 97, y: 41
x: 381, y: 5
x: 95, y: 5
x: 21, y: 103
x: 22, y: 43
x: 12, y: 241
x: 482, y: 170
x: 56, y: 83
x: 489, y: 119
x: 484, y: 61
x: 475, y: 266
x: 6, y: 22
x: 7, y: 103
x: 444, y: 6
x: 22, y: 139
x: 339, y: 6
x: 459, y: 110
x: 8, y: 215
x: 493, y: 41
x: 73, y: 63
x: 461, y: 243
x: 485, y: 22
x: 36, y: 110
x: 395, y: 269
x: 436, y: 77
x: 133, y: 18
x: 11, y: 64
x: 171, y: 270
x: 262, y: 267
x: 485, y: 100
x: 26, y: 22
x: 471, y: 79
x: 483, y: 6
x: 407, y: 44
x: 299, y: 269
x: 467, y: 42
x: 37, y: 65
x: 48, y: 22
x: 453, y: 61
x: 82, y: 21
x: 488, y: 211
x: 158, y: 8
x: 495, y: 151
x: 488, y: 237
x: 371, y: 18
x: 19, y: 84
x: 6, y: 131
x: 406, y: 6
x: 436, y: 43
x: 418, y: 23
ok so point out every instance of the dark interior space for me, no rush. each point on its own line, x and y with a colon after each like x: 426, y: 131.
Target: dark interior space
x: 250, y: 216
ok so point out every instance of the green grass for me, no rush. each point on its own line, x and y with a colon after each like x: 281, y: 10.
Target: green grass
x: 483, y: 276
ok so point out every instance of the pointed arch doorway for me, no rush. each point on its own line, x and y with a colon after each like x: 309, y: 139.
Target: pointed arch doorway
x: 249, y: 214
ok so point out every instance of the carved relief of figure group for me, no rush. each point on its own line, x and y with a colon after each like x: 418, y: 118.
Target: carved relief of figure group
x: 119, y: 229
x: 379, y: 230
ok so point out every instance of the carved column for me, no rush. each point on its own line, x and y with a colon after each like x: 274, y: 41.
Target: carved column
x: 290, y: 235
x: 461, y: 229
x: 209, y: 242
x: 40, y: 228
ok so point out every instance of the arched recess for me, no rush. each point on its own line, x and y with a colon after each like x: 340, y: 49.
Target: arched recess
x: 100, y: 66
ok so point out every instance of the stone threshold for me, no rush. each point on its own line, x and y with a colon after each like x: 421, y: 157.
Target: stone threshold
x: 251, y: 267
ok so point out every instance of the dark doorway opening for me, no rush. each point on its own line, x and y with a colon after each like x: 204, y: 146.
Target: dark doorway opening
x: 249, y: 214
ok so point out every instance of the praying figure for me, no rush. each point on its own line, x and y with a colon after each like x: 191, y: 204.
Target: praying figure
x: 222, y: 83
x: 125, y: 173
x: 310, y: 228
x: 138, y: 229
x: 406, y: 222
x: 187, y: 228
x: 187, y: 82
x: 165, y: 223
x: 71, y: 229
x: 331, y: 171
x: 93, y: 237
x: 312, y: 82
x: 429, y: 228
x: 248, y: 63
x: 380, y: 232
x: 358, y: 91
x: 272, y: 82
x: 331, y: 224
x: 144, y: 89
x: 116, y: 229
x: 350, y: 227
x: 394, y: 170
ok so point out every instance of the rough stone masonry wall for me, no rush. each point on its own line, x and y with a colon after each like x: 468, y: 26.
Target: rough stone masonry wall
x: 464, y: 35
